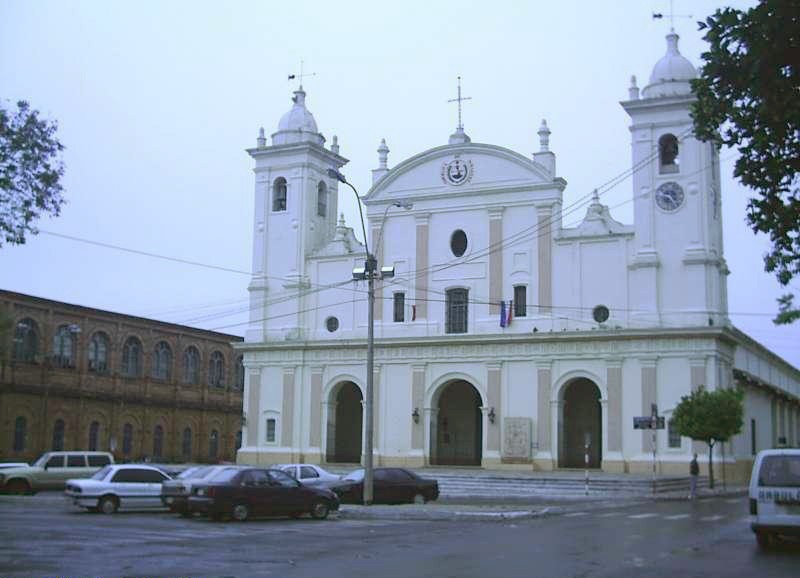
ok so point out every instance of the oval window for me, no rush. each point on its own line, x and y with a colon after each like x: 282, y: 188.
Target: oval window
x: 458, y: 243
x: 332, y: 324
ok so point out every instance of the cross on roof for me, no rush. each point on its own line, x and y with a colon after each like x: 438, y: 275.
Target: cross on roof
x: 459, y: 100
x: 301, y: 75
x: 672, y: 16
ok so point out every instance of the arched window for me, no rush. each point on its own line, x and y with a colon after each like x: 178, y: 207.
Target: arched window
x: 322, y: 199
x: 98, y: 353
x: 132, y: 357
x: 94, y: 435
x: 64, y: 346
x: 239, y: 385
x: 26, y: 340
x: 213, y: 445
x: 186, y: 445
x: 127, y: 439
x: 216, y: 370
x: 162, y: 361
x: 20, y: 434
x: 279, y: 194
x: 668, y: 160
x: 457, y: 308
x: 158, y: 441
x: 58, y: 435
x: 191, y: 365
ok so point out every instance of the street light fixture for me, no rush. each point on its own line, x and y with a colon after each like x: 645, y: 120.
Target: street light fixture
x: 368, y: 272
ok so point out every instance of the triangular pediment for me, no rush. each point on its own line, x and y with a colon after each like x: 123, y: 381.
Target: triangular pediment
x: 461, y: 169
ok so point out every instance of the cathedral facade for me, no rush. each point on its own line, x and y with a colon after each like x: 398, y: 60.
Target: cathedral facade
x: 504, y: 338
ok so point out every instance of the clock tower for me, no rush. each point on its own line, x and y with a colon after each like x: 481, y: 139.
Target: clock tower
x: 677, y: 268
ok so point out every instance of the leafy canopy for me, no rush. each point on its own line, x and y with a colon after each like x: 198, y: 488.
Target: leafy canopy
x: 710, y: 416
x: 30, y: 172
x: 748, y: 99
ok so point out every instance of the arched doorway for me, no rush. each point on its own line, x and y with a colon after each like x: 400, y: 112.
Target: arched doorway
x: 581, y: 420
x: 457, y: 431
x: 345, y: 421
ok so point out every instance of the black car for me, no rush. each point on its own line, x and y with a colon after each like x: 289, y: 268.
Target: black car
x: 389, y: 486
x: 244, y: 493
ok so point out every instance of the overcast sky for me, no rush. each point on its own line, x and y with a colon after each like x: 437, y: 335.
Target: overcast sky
x: 156, y: 102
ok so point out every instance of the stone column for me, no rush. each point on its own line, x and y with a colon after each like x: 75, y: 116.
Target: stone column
x: 544, y: 242
x: 494, y: 393
x: 649, y: 396
x: 495, y: 260
x: 315, y: 411
x: 417, y: 402
x: 421, y: 273
x: 613, y: 460
x: 544, y: 450
x: 287, y: 409
x: 431, y: 431
x: 253, y: 407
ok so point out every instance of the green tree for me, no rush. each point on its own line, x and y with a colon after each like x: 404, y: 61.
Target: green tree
x: 710, y: 417
x: 30, y: 172
x: 747, y: 99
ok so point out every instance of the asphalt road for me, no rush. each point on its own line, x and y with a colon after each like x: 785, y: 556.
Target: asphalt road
x: 42, y: 535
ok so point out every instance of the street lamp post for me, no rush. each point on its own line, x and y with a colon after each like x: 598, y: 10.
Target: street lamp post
x: 369, y: 272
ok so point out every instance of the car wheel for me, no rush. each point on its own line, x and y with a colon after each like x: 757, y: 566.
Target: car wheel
x: 108, y: 504
x: 419, y: 499
x: 18, y: 487
x: 320, y: 510
x: 240, y: 512
x: 764, y: 540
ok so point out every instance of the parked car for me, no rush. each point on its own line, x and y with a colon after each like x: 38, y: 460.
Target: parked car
x: 247, y: 492
x: 52, y: 470
x: 310, y: 475
x: 126, y: 486
x: 175, y: 492
x: 775, y: 495
x: 9, y: 465
x: 389, y: 486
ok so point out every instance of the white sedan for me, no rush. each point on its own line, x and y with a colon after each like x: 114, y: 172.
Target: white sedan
x: 309, y: 474
x: 127, y: 486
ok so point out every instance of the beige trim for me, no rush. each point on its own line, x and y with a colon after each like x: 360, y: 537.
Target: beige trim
x: 418, y: 401
x: 253, y: 407
x: 421, y: 287
x: 543, y: 402
x: 315, y: 427
x: 649, y: 396
x: 614, y: 405
x: 495, y: 260
x: 493, y: 394
x: 287, y: 412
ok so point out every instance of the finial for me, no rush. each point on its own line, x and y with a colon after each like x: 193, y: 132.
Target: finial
x: 341, y: 219
x: 544, y: 137
x: 383, y: 154
x: 460, y: 99
x: 595, y: 197
x: 335, y: 144
x: 300, y: 76
x: 262, y: 140
x: 633, y: 90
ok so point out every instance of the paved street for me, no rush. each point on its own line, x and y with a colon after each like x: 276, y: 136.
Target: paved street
x: 42, y: 535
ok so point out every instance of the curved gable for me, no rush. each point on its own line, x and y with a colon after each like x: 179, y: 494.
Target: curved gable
x: 490, y: 167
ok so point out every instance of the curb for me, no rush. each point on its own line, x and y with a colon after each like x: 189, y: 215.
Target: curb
x: 434, y: 513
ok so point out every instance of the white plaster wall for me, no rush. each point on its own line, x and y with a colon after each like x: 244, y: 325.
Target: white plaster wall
x: 395, y: 410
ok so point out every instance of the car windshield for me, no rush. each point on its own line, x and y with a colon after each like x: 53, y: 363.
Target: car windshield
x: 195, y: 472
x: 101, y: 474
x: 225, y: 475
x: 41, y: 461
x: 355, y: 476
x: 777, y: 471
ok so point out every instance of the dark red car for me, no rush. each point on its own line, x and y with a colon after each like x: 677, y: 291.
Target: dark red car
x: 389, y: 486
x: 245, y: 493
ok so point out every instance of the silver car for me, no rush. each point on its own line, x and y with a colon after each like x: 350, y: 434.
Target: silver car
x: 310, y: 475
x: 126, y: 486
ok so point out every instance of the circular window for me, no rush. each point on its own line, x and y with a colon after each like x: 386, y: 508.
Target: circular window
x: 600, y: 313
x: 332, y: 324
x: 458, y: 243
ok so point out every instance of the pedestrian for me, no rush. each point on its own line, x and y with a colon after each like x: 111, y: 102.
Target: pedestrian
x: 694, y: 472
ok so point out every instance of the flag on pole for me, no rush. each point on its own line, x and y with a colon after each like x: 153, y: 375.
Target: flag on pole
x: 510, y: 315
x: 502, y: 314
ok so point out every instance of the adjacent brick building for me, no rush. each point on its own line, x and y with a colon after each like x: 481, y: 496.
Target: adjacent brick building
x: 75, y: 377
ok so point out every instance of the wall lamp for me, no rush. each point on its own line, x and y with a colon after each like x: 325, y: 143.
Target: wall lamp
x: 491, y: 415
x: 415, y: 415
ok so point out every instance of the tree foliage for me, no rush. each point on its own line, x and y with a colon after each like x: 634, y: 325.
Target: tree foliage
x: 747, y: 99
x: 30, y: 172
x: 710, y: 417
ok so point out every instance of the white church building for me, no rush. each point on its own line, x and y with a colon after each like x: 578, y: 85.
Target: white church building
x: 504, y: 339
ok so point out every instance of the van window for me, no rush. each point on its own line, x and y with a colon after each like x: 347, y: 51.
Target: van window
x: 98, y: 461
x: 76, y: 461
x: 55, y: 462
x: 780, y: 471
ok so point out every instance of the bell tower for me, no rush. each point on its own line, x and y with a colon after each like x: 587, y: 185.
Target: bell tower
x: 296, y: 204
x: 678, y: 271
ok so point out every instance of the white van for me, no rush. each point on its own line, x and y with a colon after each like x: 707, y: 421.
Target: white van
x: 775, y: 495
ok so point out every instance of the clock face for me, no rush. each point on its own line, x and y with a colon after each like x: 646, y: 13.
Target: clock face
x: 669, y: 196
